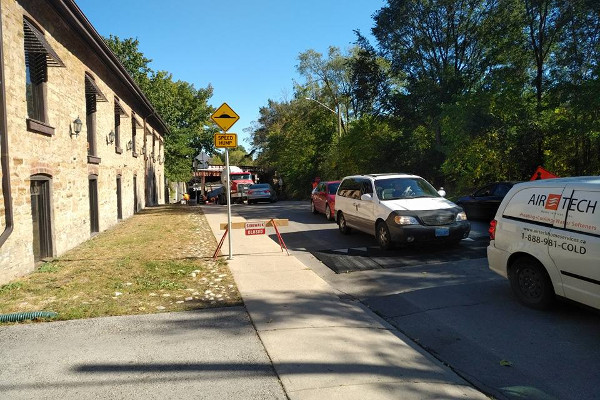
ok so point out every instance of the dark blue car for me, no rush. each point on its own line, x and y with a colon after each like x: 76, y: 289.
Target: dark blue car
x: 484, y: 202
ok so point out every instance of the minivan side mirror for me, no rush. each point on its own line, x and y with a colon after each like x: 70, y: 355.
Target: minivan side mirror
x: 442, y: 192
x: 366, y: 197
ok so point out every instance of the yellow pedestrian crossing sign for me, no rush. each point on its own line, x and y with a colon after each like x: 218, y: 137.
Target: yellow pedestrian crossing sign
x: 225, y: 117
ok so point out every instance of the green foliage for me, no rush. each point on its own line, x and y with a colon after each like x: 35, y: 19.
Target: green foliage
x: 48, y: 267
x: 9, y: 287
x: 462, y: 93
x: 183, y: 108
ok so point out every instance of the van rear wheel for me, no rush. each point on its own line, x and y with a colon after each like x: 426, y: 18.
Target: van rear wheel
x: 342, y: 224
x: 531, y: 284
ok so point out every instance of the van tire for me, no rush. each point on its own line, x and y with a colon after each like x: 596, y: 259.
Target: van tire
x: 531, y: 284
x: 342, y: 224
x: 383, y: 236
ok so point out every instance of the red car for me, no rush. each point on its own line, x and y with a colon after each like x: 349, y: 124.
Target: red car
x: 322, y: 199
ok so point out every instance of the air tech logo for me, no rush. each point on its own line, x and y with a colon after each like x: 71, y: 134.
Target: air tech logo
x: 553, y: 202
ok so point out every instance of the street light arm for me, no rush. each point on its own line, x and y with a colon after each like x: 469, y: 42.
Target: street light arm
x: 318, y: 102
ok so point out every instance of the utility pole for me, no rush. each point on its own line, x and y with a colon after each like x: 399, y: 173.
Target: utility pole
x: 338, y: 113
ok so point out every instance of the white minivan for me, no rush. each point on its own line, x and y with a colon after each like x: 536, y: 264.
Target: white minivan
x: 545, y: 239
x: 398, y: 208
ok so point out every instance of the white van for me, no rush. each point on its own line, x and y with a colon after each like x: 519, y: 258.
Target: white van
x: 545, y: 239
x: 398, y: 208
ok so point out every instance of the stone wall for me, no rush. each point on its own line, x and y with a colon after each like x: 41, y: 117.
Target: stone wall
x: 62, y: 157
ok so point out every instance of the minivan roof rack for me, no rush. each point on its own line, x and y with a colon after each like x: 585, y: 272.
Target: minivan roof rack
x: 388, y: 173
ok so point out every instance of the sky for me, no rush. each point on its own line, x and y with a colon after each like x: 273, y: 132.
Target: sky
x: 247, y: 50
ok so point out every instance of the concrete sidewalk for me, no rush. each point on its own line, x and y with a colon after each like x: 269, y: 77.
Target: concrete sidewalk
x: 321, y: 345
x: 205, y: 354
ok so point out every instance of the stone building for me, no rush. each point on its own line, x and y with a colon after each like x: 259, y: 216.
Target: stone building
x: 81, y: 146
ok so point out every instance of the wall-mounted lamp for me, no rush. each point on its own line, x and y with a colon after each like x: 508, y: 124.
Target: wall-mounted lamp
x: 129, y: 145
x: 77, y: 124
x: 110, y: 139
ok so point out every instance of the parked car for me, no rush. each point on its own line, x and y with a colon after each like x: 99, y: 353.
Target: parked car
x: 545, y: 239
x: 261, y: 192
x: 398, y: 208
x: 484, y: 202
x: 322, y: 199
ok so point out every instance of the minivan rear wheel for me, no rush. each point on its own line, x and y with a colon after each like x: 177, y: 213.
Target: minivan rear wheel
x: 531, y: 284
x: 383, y: 236
x: 342, y: 224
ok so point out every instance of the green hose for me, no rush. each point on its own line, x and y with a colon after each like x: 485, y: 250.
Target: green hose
x: 20, y: 316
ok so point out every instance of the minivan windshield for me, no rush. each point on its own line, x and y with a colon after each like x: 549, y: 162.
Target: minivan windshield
x: 404, y: 188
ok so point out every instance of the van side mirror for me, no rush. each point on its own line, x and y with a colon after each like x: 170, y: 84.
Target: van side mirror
x: 366, y: 197
x: 442, y: 192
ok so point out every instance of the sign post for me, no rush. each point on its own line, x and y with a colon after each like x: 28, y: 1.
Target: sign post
x: 225, y: 117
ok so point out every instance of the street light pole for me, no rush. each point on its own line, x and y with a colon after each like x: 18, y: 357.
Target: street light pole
x: 338, y: 113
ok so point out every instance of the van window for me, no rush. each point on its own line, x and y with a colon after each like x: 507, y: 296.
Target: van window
x: 366, y: 187
x: 583, y: 213
x: 350, y: 188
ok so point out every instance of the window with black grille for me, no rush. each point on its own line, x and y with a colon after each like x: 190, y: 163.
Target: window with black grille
x: 119, y: 113
x: 93, y: 95
x: 39, y: 55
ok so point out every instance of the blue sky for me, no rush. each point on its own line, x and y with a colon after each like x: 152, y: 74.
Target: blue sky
x: 246, y: 49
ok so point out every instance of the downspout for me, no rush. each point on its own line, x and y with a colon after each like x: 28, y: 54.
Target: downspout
x: 6, y: 193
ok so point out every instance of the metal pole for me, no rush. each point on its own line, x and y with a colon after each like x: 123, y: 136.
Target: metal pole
x: 228, y: 202
x: 339, y: 115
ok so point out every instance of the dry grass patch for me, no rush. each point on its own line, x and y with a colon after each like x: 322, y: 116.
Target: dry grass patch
x: 156, y: 261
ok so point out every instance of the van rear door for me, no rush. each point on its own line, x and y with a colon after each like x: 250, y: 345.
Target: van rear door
x: 574, y: 244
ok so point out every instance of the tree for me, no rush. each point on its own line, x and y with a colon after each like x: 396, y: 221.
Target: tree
x: 183, y: 108
x: 436, y: 46
x: 238, y: 156
x: 371, y: 80
x: 462, y: 92
x: 327, y: 80
x: 134, y: 61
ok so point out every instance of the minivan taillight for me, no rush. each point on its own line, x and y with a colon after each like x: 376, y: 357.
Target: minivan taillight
x: 492, y: 229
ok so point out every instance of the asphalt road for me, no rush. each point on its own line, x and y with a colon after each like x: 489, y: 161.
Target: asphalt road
x: 451, y: 304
